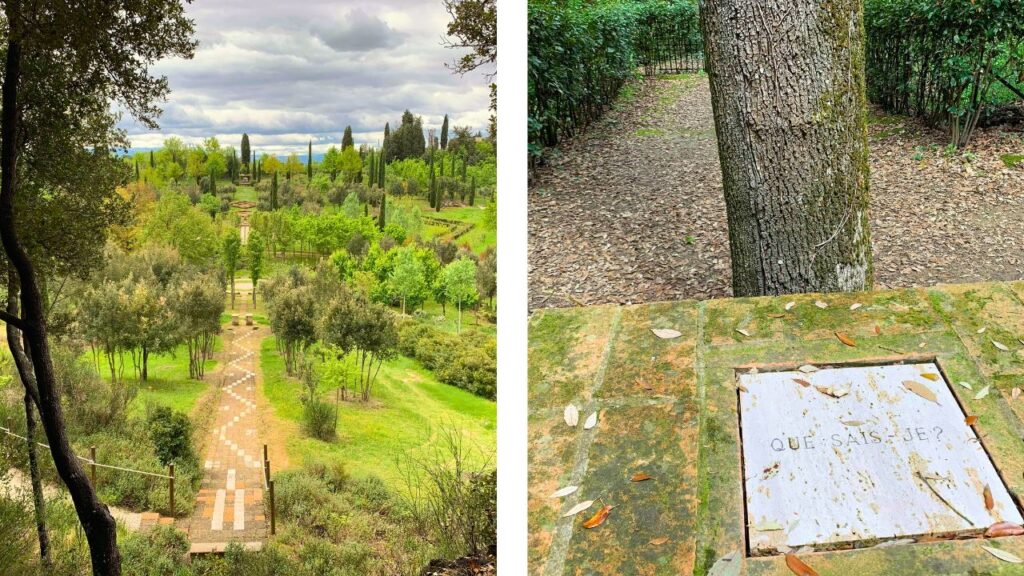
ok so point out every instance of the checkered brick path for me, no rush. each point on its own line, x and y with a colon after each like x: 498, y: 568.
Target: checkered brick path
x: 229, y: 507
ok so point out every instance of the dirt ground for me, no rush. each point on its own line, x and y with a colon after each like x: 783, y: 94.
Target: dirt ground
x: 633, y: 211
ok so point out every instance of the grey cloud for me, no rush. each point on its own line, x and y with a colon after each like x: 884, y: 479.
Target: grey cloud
x: 357, y: 31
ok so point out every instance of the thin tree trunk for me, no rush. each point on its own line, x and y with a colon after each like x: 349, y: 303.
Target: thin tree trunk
x: 787, y: 88
x: 37, y: 485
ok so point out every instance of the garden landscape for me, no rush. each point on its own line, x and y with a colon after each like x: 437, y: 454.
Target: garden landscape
x: 262, y: 351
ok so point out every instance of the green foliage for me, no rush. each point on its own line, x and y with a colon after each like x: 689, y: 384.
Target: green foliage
x: 408, y: 278
x: 607, y: 40
x: 940, y: 60
x: 408, y: 140
x: 171, y: 434
x: 318, y: 419
x: 176, y: 223
x: 467, y: 361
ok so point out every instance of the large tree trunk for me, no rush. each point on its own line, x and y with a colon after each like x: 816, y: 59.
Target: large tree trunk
x: 787, y: 87
x: 97, y: 523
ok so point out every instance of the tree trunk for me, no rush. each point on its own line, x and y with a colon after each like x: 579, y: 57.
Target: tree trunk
x: 145, y: 363
x: 37, y: 485
x: 787, y: 88
x: 97, y: 523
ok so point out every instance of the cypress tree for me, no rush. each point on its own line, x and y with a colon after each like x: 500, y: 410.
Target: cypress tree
x: 433, y: 183
x: 245, y: 150
x: 346, y: 139
x: 152, y: 160
x: 213, y: 184
x: 380, y: 169
x: 444, y: 133
x: 273, y: 193
x: 309, y: 161
x: 463, y: 169
x: 373, y: 169
x: 366, y: 209
x: 385, y: 149
x: 472, y: 191
x: 137, y: 176
x: 381, y: 216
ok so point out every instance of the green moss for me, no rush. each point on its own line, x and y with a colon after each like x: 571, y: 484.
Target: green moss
x: 643, y: 132
x: 1012, y: 160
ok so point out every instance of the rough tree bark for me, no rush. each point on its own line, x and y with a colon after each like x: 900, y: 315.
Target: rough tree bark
x: 787, y: 88
x: 97, y: 523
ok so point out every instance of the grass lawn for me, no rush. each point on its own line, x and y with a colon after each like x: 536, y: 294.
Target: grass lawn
x: 407, y: 413
x: 450, y: 321
x: 479, y: 238
x: 168, y: 383
x: 246, y: 193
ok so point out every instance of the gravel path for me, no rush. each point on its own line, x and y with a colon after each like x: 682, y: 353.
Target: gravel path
x: 633, y: 210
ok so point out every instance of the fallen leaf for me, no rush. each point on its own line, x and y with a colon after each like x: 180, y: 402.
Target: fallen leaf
x: 640, y: 477
x: 1000, y: 529
x: 966, y: 385
x: 982, y: 394
x: 776, y: 315
x: 591, y: 421
x: 659, y: 541
x: 921, y: 390
x: 789, y: 305
x: 753, y: 370
x: 930, y: 376
x: 981, y: 330
x: 989, y: 502
x: 666, y: 333
x: 845, y: 339
x: 572, y: 415
x: 767, y: 527
x: 1000, y: 345
x: 744, y: 332
x: 564, y: 491
x: 798, y: 567
x: 971, y: 420
x: 852, y: 422
x: 891, y: 543
x: 598, y: 518
x: 1003, y: 555
x: 802, y: 382
x: 878, y: 329
x: 807, y: 368
x: 855, y: 306
x: 820, y: 304
x: 742, y: 388
x: 578, y: 508
x: 728, y: 565
x: 834, y: 392
x: 1015, y: 393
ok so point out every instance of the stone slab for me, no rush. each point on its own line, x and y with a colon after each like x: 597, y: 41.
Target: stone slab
x: 880, y: 461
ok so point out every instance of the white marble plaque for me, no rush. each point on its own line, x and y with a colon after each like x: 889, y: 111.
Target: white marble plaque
x: 861, y: 453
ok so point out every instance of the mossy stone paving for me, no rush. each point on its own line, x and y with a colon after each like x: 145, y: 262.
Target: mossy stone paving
x: 667, y: 408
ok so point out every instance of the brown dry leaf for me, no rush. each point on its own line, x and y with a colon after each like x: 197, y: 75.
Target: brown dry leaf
x: 1000, y: 529
x: 798, y: 567
x: 989, y: 502
x: 742, y: 388
x: 971, y: 420
x: 659, y: 541
x: 666, y: 333
x: 776, y: 315
x: 921, y: 390
x: 878, y: 329
x: 845, y: 339
x: 598, y: 518
x: 641, y: 476
x: 802, y: 382
x: 1015, y: 393
x: 930, y: 376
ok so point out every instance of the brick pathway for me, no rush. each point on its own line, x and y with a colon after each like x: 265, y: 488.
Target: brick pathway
x: 229, y: 507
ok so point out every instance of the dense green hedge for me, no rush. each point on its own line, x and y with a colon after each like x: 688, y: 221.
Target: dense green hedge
x: 943, y: 60
x: 466, y: 360
x: 581, y: 53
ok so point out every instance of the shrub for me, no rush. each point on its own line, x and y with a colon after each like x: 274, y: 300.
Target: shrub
x: 331, y: 472
x: 171, y: 433
x: 318, y: 419
x: 157, y: 552
x: 467, y: 361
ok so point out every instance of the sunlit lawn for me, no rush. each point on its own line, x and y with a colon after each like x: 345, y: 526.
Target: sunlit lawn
x: 471, y: 321
x: 406, y: 417
x: 247, y: 193
x: 480, y: 238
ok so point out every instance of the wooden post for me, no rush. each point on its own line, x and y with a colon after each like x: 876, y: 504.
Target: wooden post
x: 171, y: 468
x: 266, y: 471
x: 92, y: 456
x: 273, y: 516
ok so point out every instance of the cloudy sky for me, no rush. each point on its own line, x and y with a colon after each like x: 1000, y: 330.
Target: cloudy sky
x: 287, y: 72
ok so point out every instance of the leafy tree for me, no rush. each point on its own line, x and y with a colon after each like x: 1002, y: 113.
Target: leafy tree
x: 176, y: 223
x: 293, y: 319
x: 408, y: 140
x: 198, y: 304
x: 209, y: 204
x: 292, y: 165
x: 487, y: 276
x: 331, y: 162
x: 459, y: 279
x: 408, y: 280
x: 195, y: 165
x: 363, y: 328
x: 351, y: 207
x: 474, y: 26
x: 351, y: 164
x: 346, y: 139
x: 232, y: 251
x: 273, y: 192
x: 343, y: 263
x: 254, y: 252
x: 444, y: 133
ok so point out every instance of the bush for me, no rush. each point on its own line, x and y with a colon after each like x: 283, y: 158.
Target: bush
x: 171, y: 433
x: 318, y: 419
x: 157, y: 552
x: 467, y: 361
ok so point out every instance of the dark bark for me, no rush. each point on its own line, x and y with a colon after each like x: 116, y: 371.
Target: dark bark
x: 787, y: 88
x: 97, y: 523
x: 37, y: 485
